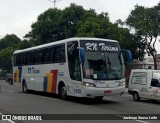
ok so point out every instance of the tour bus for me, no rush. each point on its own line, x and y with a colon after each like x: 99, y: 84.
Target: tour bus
x: 81, y: 67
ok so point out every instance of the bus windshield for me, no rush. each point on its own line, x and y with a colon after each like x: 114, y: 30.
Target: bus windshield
x: 102, y: 64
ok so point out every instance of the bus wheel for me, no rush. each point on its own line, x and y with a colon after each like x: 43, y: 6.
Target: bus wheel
x: 24, y: 87
x: 136, y: 96
x: 63, y: 92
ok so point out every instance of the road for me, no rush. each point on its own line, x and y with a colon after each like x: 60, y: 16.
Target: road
x: 13, y: 101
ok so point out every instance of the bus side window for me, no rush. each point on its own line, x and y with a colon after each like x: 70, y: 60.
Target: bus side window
x: 35, y: 59
x: 59, y: 53
x: 47, y: 55
x: 30, y: 57
x: 18, y: 60
x: 24, y: 59
x: 40, y: 56
x: 14, y: 60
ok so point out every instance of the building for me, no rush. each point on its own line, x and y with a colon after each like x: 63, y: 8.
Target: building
x: 158, y: 61
x: 147, y: 63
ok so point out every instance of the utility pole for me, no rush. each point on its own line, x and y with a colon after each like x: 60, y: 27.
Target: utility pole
x: 54, y: 1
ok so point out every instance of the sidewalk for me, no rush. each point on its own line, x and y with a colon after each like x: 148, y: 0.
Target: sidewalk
x: 11, y: 87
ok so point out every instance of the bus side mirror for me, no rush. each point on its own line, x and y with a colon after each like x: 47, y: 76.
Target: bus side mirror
x: 127, y: 56
x: 82, y: 54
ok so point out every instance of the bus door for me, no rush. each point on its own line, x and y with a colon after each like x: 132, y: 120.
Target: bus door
x: 74, y: 67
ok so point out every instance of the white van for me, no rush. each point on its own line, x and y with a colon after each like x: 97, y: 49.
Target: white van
x: 144, y: 84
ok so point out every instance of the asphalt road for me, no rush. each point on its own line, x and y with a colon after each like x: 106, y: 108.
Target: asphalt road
x: 13, y: 101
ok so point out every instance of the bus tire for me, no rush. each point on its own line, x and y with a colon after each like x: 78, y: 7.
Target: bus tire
x: 63, y: 92
x: 136, y: 96
x: 24, y: 87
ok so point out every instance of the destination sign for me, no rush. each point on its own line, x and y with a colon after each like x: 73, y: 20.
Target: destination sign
x: 100, y: 46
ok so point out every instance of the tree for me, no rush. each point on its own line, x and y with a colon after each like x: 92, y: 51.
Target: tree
x: 55, y: 24
x: 71, y: 16
x: 24, y: 44
x: 75, y: 21
x: 6, y: 59
x: 8, y: 45
x: 9, y: 40
x: 145, y: 22
x: 47, y: 28
x: 94, y: 25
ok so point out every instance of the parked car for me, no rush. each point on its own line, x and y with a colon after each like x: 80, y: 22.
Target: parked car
x: 9, y: 78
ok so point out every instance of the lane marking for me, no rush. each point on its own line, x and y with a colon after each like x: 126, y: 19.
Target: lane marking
x: 11, y: 121
x: 107, y: 98
x: 52, y: 98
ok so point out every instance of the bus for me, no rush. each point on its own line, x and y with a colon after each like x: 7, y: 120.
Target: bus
x: 80, y: 67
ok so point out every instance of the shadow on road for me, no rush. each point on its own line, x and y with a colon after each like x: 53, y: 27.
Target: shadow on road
x: 82, y: 100
x: 151, y: 101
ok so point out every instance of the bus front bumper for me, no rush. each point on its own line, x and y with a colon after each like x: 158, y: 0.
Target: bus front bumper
x: 94, y: 91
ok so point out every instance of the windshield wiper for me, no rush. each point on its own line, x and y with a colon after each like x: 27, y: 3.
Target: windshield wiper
x: 109, y: 62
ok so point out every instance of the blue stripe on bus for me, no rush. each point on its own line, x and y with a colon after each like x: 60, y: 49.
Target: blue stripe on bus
x: 45, y: 84
x: 20, y: 72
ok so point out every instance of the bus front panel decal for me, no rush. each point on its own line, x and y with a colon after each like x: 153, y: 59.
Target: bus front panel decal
x: 17, y: 74
x: 54, y: 80
x: 50, y: 81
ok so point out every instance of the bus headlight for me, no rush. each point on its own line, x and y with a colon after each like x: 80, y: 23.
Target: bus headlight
x: 122, y: 84
x: 89, y: 84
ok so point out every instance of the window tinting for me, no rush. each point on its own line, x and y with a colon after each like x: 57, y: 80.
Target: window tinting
x: 59, y: 53
x: 54, y: 54
x: 73, y: 60
x: 47, y: 55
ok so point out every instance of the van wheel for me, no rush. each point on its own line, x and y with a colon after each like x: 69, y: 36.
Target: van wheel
x: 63, y: 92
x: 24, y: 87
x: 136, y: 96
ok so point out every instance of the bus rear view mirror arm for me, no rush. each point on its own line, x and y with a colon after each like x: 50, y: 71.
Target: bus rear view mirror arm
x: 127, y: 56
x: 81, y: 54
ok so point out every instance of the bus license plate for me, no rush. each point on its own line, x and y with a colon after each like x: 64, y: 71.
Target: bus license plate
x: 108, y: 92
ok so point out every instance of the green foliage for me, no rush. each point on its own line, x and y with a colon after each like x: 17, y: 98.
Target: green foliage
x: 71, y: 16
x: 54, y: 24
x: 8, y: 45
x: 9, y: 40
x: 94, y: 25
x: 145, y: 22
x: 47, y: 28
x: 5, y: 58
x: 3, y: 73
x: 24, y: 44
x: 75, y: 21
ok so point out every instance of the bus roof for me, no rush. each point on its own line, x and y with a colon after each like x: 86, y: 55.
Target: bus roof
x: 62, y: 41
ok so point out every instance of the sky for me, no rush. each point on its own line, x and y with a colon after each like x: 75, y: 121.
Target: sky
x: 17, y: 16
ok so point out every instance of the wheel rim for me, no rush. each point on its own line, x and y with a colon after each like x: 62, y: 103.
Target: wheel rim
x: 135, y: 96
x: 24, y: 88
x: 63, y: 91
